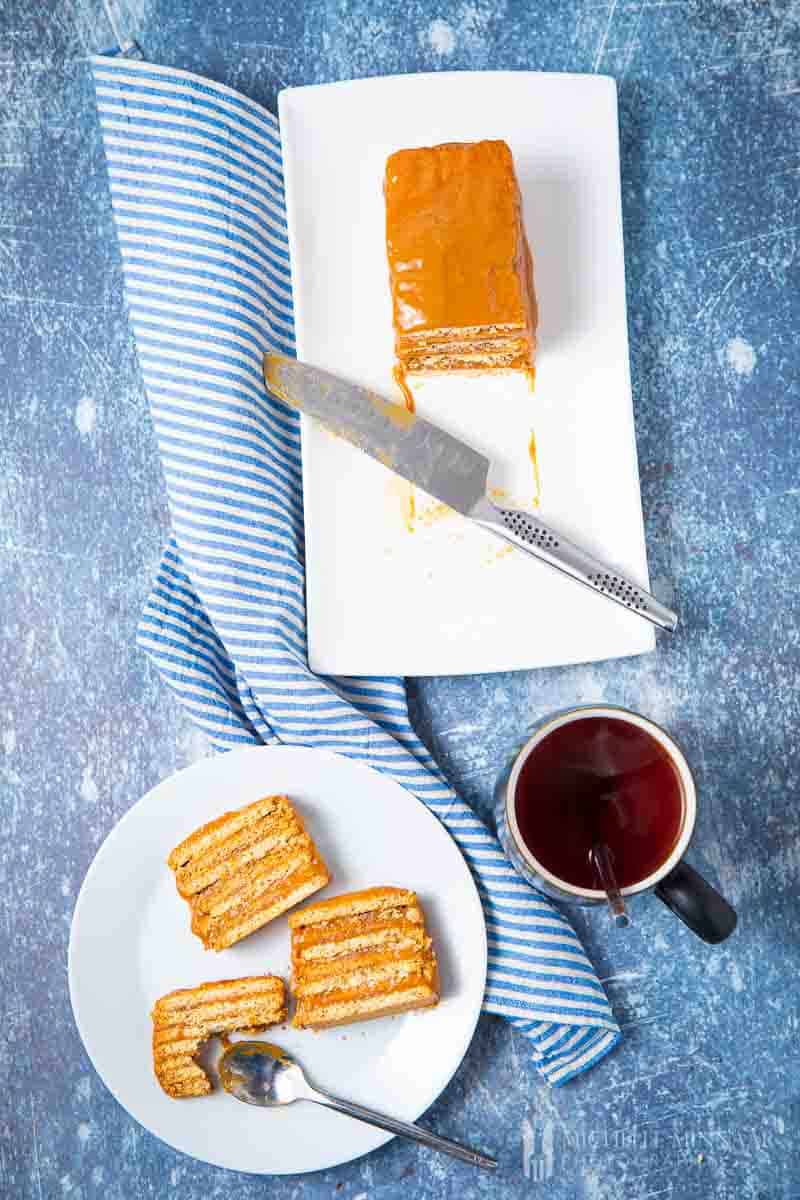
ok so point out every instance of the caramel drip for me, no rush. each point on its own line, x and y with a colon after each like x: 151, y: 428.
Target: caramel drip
x: 537, y: 487
x: 399, y: 376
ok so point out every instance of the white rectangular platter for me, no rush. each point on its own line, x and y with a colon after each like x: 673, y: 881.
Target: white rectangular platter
x: 399, y: 590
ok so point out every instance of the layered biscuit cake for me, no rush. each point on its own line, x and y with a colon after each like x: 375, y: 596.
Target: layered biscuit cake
x: 184, y: 1019
x: 361, y: 955
x: 246, y: 868
x: 460, y: 267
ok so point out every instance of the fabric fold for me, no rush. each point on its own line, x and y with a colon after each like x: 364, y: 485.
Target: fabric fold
x: 197, y: 194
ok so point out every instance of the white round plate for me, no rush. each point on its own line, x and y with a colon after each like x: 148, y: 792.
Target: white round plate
x: 130, y: 943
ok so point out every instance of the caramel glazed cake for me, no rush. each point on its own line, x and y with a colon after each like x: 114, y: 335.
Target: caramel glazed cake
x: 365, y: 954
x: 460, y: 267
x: 246, y: 868
x: 185, y: 1019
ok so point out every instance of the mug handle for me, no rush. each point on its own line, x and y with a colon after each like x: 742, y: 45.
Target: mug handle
x: 700, y: 906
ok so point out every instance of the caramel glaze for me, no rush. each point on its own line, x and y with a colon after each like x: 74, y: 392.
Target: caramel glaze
x: 460, y: 268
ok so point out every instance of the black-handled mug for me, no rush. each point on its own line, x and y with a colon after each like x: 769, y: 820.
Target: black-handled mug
x: 684, y: 891
x: 700, y: 906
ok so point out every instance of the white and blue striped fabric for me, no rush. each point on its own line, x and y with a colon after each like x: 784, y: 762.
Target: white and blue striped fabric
x: 196, y: 188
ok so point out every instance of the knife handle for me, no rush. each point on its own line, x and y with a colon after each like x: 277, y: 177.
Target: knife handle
x: 540, y: 541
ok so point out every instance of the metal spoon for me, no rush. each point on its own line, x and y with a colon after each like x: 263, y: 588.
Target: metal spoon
x: 601, y: 860
x: 262, y: 1073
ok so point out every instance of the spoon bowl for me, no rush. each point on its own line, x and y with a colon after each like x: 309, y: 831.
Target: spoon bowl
x: 261, y: 1073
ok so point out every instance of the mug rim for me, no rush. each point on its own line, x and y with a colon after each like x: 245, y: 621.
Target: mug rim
x: 613, y: 711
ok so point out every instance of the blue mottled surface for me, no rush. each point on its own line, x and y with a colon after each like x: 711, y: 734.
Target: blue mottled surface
x: 703, y: 1098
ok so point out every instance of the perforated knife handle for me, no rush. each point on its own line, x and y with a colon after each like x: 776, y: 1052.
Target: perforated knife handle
x: 530, y: 534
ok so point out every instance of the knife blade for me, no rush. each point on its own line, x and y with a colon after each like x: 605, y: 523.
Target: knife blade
x: 447, y: 469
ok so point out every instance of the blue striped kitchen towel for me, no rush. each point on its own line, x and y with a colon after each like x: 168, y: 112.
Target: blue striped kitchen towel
x: 197, y: 194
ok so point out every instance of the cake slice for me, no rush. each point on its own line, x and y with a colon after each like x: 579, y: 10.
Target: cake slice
x: 246, y: 868
x: 361, y: 955
x: 183, y: 1020
x: 460, y: 267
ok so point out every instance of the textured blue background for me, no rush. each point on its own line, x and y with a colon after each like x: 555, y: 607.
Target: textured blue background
x: 702, y: 1098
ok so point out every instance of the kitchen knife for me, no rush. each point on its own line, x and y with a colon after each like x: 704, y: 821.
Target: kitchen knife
x: 447, y: 469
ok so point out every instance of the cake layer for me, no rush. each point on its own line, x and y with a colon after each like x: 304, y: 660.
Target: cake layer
x: 353, y: 978
x: 469, y: 358
x: 444, y: 350
x: 317, y: 1014
x: 396, y: 933
x: 320, y: 968
x: 244, y: 869
x: 361, y: 955
x: 183, y: 1020
x: 353, y: 904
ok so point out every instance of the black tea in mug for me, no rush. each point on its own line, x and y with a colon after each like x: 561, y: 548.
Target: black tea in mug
x: 600, y: 780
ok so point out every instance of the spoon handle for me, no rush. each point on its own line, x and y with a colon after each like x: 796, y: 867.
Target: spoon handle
x: 601, y: 857
x: 403, y: 1128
